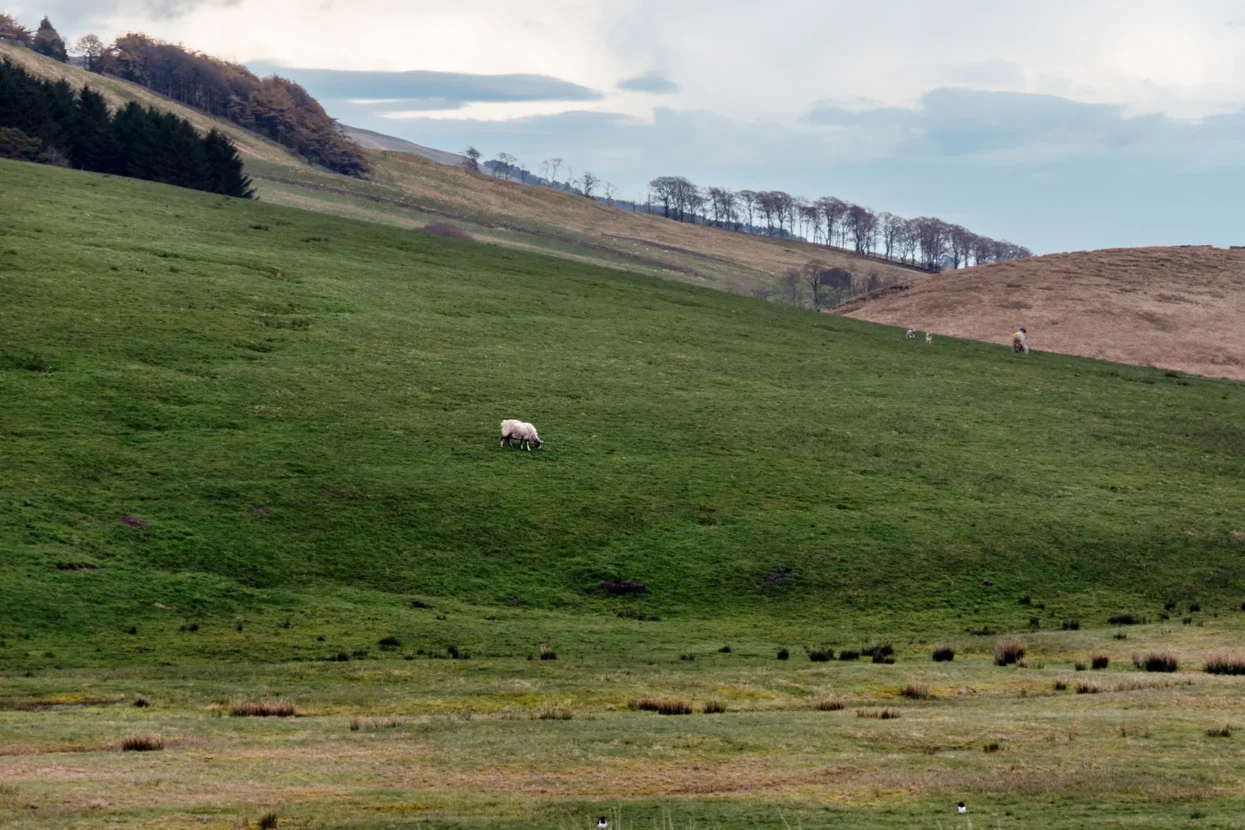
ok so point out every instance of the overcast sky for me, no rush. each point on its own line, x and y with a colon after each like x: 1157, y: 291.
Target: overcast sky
x: 1060, y: 125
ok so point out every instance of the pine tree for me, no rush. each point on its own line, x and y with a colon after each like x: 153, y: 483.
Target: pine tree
x: 93, y: 145
x: 224, y: 167
x: 48, y: 42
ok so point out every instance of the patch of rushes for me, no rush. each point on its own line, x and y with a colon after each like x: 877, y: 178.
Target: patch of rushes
x: 1225, y: 662
x: 829, y: 703
x: 714, y: 707
x: 368, y: 724
x: 1157, y: 661
x: 661, y: 705
x: 1099, y: 661
x: 943, y: 654
x: 555, y: 713
x: 262, y: 708
x: 143, y: 742
x: 1009, y: 650
x: 880, y: 714
x: 1221, y: 732
x: 917, y: 691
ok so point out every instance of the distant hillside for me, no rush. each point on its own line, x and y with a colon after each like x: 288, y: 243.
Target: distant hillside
x: 409, y: 190
x: 379, y: 141
x: 1175, y: 308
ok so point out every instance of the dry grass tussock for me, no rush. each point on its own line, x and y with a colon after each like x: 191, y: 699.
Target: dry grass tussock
x: 917, y: 691
x: 143, y: 742
x: 714, y: 707
x: 1157, y: 661
x: 1009, y: 650
x: 883, y: 713
x: 262, y: 708
x: 829, y: 703
x: 555, y: 713
x: 661, y: 705
x: 1225, y: 662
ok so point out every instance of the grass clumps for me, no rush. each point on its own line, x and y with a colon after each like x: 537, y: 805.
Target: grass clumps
x: 1060, y: 685
x: 1099, y: 661
x: 849, y: 655
x: 1087, y: 687
x: 143, y: 742
x: 389, y: 643
x: 555, y: 713
x: 820, y: 655
x: 1009, y: 650
x: 916, y: 691
x: 784, y: 654
x: 141, y: 702
x: 714, y: 707
x: 1221, y: 732
x: 878, y: 714
x: 1157, y: 661
x: 829, y: 703
x: 370, y: 724
x: 262, y: 708
x: 1126, y: 619
x: 268, y: 821
x: 1225, y: 663
x: 943, y: 654
x: 661, y: 705
x: 547, y: 653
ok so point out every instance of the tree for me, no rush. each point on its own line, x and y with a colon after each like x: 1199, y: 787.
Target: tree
x: 892, y: 227
x: 472, y: 159
x: 91, y: 49
x: 48, y: 42
x: 554, y: 164
x: 589, y: 183
x: 931, y: 234
x: 508, y: 164
x: 834, y: 210
x: 812, y: 273
x: 224, y: 168
x: 960, y: 241
x: 863, y: 226
x: 791, y: 287
x: 611, y: 191
x: 748, y: 198
x: 13, y: 31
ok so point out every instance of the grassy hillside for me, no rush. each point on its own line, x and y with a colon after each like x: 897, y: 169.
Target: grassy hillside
x: 1176, y: 308
x: 408, y: 191
x: 219, y: 412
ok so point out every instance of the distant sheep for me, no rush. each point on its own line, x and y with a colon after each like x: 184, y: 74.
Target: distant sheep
x: 911, y: 334
x: 521, y: 431
x: 1020, y: 342
x: 929, y: 337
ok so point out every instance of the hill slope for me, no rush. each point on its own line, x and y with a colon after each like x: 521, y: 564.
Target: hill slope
x: 379, y: 141
x: 410, y: 191
x: 1175, y: 308
x: 219, y: 410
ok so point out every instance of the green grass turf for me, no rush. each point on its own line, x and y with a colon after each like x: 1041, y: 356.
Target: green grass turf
x: 299, y: 417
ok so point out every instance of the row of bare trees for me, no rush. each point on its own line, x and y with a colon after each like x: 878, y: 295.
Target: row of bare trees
x: 507, y: 166
x: 927, y: 242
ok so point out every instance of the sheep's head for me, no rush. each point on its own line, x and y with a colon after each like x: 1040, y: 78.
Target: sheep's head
x: 536, y: 442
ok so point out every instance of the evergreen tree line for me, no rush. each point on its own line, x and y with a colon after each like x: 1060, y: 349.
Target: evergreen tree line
x: 49, y: 122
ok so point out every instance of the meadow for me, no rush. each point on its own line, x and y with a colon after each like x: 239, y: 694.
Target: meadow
x: 250, y: 454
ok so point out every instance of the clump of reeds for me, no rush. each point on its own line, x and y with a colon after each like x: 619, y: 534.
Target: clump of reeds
x: 262, y: 708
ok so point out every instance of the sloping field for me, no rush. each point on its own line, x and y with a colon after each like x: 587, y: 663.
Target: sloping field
x: 218, y: 410
x: 379, y: 141
x: 1174, y: 308
x: 411, y: 191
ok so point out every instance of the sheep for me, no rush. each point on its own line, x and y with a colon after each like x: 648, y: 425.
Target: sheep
x: 911, y: 334
x: 929, y: 337
x: 524, y: 432
x: 1020, y: 342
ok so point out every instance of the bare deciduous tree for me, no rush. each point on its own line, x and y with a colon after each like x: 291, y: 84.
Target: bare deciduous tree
x: 611, y: 192
x: 554, y: 165
x: 589, y: 183
x: 471, y: 160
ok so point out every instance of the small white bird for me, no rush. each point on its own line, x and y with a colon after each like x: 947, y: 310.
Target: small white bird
x: 602, y: 824
x: 929, y: 337
x: 961, y: 807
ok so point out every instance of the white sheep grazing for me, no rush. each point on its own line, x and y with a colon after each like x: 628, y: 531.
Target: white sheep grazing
x: 911, y: 334
x: 929, y: 337
x: 522, y: 431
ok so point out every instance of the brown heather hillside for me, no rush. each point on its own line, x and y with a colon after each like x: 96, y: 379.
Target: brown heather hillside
x: 1175, y: 308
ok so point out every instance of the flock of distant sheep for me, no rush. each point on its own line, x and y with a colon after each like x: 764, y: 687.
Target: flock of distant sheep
x: 525, y: 433
x: 1020, y: 340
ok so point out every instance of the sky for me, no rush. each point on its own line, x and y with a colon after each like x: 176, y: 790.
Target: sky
x: 1060, y: 125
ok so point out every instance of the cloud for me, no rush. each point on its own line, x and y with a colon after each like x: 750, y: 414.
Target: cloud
x: 429, y: 90
x: 652, y: 82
